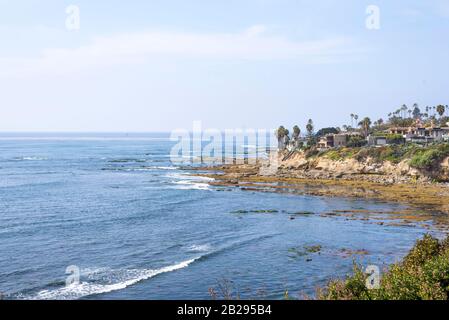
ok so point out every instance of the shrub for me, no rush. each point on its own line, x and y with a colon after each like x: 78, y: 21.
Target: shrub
x: 423, y: 275
x: 356, y: 141
x: 340, y: 153
x: 428, y: 157
x: 395, y: 139
x: 380, y: 154
x: 324, y: 131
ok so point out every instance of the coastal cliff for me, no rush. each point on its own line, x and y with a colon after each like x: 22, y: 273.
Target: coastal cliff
x: 400, y: 174
x: 328, y: 166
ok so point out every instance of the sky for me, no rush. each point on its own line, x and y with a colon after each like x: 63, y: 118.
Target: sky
x: 142, y: 66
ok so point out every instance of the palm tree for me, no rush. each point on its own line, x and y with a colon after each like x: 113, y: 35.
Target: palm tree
x: 365, y: 125
x: 352, y: 119
x: 309, y: 127
x: 281, y: 132
x: 416, y: 111
x: 356, y: 117
x: 404, y: 109
x: 441, y: 109
x: 296, y: 132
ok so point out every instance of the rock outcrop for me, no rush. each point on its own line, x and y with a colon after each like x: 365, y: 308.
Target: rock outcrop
x: 322, y: 167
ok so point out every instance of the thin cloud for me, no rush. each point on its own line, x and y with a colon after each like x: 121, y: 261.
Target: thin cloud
x: 443, y: 8
x: 136, y: 48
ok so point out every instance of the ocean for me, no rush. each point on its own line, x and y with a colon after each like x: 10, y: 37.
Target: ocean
x: 112, y: 213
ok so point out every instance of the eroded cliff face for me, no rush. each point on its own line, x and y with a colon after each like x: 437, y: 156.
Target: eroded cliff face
x: 443, y: 170
x: 325, y: 168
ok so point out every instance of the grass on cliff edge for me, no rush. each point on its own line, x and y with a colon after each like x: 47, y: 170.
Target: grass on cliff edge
x: 422, y: 275
x: 419, y: 157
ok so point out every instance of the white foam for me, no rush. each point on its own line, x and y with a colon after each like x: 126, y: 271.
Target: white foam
x: 190, y: 185
x: 200, y: 248
x: 184, y: 177
x: 187, y: 182
x: 142, y: 169
x: 124, y: 278
x: 29, y: 159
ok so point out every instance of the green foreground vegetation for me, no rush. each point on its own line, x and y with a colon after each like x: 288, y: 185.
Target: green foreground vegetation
x: 422, y: 275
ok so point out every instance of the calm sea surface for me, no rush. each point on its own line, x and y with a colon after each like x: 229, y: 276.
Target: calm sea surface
x: 113, y: 207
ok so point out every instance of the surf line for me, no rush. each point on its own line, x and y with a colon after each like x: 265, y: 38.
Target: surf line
x: 196, y: 311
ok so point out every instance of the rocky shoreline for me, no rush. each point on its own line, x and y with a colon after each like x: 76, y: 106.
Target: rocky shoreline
x: 343, y: 178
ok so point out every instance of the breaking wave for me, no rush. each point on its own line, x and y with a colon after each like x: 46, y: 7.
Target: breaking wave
x: 29, y: 159
x: 104, y: 280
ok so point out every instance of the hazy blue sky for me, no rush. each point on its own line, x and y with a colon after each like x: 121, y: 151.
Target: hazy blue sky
x: 159, y: 65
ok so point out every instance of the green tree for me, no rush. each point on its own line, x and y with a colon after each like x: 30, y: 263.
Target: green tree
x: 404, y: 109
x: 441, y: 109
x: 280, y: 133
x: 325, y: 131
x: 309, y: 128
x: 365, y: 125
x: 296, y: 132
x: 416, y: 111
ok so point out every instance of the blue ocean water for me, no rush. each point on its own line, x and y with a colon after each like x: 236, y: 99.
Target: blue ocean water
x: 137, y: 227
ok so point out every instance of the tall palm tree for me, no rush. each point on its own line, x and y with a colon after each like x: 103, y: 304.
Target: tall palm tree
x: 404, y: 109
x: 281, y: 132
x: 441, y: 109
x: 365, y: 125
x: 309, y: 127
x: 352, y: 119
x: 416, y: 111
x: 296, y: 132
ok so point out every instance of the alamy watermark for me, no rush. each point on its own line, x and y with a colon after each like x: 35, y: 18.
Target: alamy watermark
x: 373, y: 280
x: 213, y: 146
x: 74, y: 275
x: 73, y: 18
x: 372, y: 21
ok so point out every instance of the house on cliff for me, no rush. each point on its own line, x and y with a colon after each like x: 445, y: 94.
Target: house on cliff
x: 335, y: 140
x: 421, y: 134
